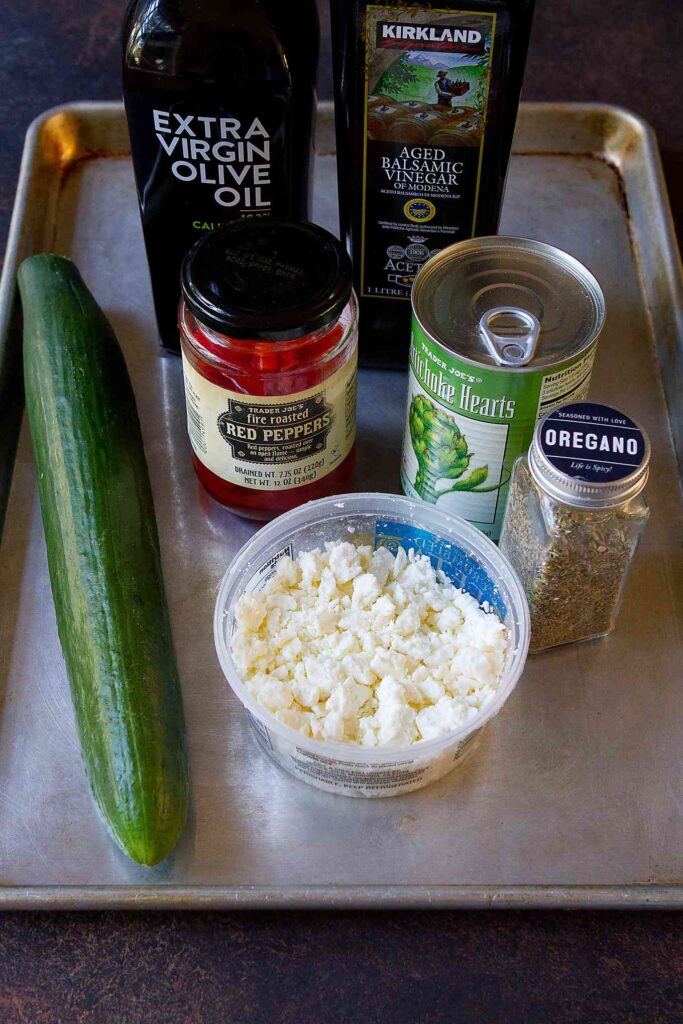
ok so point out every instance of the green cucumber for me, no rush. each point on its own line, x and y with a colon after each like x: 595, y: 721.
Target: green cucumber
x: 103, y: 558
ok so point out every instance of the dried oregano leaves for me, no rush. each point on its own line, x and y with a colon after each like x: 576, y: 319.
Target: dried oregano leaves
x: 572, y: 562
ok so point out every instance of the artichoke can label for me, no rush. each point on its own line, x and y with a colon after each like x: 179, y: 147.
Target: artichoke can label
x: 467, y: 423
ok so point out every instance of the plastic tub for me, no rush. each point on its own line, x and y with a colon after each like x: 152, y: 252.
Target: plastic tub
x: 469, y: 558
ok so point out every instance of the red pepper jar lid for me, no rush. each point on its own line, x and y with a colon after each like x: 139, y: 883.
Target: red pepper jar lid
x: 270, y: 280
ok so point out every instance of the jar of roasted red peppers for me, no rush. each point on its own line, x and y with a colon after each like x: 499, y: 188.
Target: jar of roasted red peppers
x: 268, y: 330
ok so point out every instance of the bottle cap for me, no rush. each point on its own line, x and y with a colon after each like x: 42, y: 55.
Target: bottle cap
x: 590, y: 456
x: 271, y: 280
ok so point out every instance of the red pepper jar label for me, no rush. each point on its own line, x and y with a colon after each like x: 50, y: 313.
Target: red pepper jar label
x: 272, y: 442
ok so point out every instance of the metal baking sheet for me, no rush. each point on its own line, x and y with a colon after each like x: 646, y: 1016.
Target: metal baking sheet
x: 573, y: 797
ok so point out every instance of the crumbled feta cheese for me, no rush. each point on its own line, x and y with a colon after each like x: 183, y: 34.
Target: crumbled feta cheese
x: 383, y: 611
x: 348, y: 699
x: 430, y: 690
x: 288, y: 571
x: 310, y: 563
x: 400, y: 562
x: 361, y: 646
x: 357, y: 667
x: 366, y: 590
x: 408, y: 622
x: 344, y: 561
x: 273, y: 694
x: 298, y: 720
x: 250, y: 613
x: 333, y: 726
x: 381, y: 565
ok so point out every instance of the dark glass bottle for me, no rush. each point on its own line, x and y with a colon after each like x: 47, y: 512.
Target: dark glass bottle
x: 220, y: 98
x: 426, y: 103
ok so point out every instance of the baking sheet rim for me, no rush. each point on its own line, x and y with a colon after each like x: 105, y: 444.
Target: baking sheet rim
x: 624, y: 895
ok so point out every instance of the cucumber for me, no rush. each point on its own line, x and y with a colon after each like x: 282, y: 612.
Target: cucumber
x: 103, y: 558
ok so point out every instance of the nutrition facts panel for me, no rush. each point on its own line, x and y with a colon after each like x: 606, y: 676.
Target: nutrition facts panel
x: 568, y: 385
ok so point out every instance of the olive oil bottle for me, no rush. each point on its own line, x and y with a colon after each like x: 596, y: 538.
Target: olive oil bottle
x: 426, y: 102
x: 220, y: 98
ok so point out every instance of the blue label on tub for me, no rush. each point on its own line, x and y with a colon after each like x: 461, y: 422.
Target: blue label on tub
x: 592, y: 442
x: 462, y: 568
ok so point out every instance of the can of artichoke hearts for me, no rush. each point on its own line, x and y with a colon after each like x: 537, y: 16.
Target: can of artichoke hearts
x: 504, y: 330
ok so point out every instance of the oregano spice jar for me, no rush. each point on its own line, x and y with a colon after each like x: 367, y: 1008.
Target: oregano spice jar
x: 575, y: 514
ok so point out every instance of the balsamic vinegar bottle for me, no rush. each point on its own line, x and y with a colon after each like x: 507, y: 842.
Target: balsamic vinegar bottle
x: 426, y: 101
x: 220, y: 98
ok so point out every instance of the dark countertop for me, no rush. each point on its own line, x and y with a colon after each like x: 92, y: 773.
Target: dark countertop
x: 508, y: 967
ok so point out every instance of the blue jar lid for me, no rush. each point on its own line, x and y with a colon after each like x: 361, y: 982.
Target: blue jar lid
x: 589, y: 455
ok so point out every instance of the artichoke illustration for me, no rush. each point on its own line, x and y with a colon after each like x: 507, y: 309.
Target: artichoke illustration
x: 442, y: 453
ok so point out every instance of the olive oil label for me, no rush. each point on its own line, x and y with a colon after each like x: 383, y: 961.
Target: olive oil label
x: 228, y: 157
x: 467, y: 423
x: 272, y: 442
x: 426, y: 99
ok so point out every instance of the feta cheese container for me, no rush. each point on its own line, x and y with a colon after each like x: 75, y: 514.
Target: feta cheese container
x: 465, y: 555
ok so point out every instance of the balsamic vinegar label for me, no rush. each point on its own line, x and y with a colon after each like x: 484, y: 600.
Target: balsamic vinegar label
x: 426, y: 98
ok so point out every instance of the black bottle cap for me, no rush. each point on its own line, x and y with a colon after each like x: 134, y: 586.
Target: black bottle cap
x: 271, y: 280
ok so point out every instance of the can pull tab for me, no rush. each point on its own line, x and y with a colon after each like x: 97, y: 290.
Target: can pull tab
x: 511, y: 335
